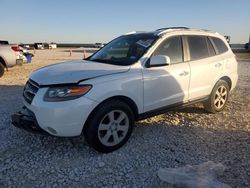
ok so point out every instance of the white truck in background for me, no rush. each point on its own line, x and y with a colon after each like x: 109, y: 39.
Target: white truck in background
x: 10, y: 55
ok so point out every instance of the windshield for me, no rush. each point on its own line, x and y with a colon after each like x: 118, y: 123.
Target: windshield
x: 124, y: 50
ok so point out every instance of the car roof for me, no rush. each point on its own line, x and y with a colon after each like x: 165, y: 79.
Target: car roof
x: 142, y: 34
x: 180, y: 30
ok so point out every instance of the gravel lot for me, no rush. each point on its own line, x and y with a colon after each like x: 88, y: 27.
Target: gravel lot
x: 186, y: 136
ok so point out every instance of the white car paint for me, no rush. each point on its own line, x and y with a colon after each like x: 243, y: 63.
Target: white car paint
x: 73, y: 72
x: 149, y: 88
x: 9, y: 56
x: 174, y: 85
x: 65, y: 117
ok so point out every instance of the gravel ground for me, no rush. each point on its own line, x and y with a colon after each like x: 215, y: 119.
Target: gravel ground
x: 186, y: 136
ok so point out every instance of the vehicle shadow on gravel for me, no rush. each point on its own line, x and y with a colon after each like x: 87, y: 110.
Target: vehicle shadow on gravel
x: 192, y: 109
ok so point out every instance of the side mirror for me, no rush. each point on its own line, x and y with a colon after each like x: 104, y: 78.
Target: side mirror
x: 159, y: 60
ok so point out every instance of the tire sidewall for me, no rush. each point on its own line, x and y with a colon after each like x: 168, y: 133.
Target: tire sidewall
x: 91, y: 132
x: 1, y: 70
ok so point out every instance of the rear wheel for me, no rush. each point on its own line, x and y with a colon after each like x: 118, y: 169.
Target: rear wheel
x: 1, y: 70
x: 218, y: 98
x: 110, y: 126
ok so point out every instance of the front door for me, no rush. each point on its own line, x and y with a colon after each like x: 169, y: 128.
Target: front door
x: 169, y: 84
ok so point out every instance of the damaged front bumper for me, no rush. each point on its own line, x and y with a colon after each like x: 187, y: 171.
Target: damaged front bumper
x: 25, y: 119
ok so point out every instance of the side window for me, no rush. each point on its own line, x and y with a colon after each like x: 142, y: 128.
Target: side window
x: 210, y: 48
x: 198, y: 47
x: 220, y: 45
x: 171, y: 47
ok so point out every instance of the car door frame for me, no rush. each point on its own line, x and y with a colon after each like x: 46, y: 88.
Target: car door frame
x: 185, y: 60
x: 210, y: 62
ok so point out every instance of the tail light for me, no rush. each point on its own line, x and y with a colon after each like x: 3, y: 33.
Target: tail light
x: 16, y: 48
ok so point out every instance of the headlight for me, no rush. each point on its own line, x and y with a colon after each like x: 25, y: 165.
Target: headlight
x: 65, y: 93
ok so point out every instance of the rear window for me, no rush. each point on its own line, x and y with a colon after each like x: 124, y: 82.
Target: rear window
x: 198, y: 47
x: 220, y: 45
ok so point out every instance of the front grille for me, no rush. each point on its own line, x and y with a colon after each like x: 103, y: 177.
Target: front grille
x: 30, y: 90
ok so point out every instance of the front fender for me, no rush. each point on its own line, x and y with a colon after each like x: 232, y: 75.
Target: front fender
x: 127, y: 84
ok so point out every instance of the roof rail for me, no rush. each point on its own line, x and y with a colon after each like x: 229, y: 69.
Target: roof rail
x: 172, y: 28
x: 162, y: 31
x: 134, y: 32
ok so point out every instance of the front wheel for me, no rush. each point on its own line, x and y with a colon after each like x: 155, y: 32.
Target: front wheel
x: 218, y: 98
x: 110, y: 126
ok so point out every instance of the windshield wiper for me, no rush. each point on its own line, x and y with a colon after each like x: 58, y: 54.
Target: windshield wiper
x: 99, y: 60
x: 105, y: 61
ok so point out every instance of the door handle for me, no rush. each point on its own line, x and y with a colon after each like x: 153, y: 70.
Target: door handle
x: 184, y: 73
x: 217, y: 65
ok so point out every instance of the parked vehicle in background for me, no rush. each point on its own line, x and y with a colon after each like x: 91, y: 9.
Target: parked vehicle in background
x: 247, y: 46
x: 49, y: 45
x: 45, y: 45
x: 52, y: 45
x: 4, y: 42
x: 38, y: 45
x: 23, y: 49
x: 26, y: 46
x: 10, y: 56
x: 99, y: 45
x: 135, y: 76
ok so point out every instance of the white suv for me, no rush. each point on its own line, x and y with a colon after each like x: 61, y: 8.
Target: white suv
x: 135, y: 76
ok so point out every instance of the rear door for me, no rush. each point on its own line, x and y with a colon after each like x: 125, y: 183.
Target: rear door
x: 204, y: 66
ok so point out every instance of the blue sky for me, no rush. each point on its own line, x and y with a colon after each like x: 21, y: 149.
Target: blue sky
x: 90, y: 21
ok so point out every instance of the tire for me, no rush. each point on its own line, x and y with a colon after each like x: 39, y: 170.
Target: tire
x: 1, y: 70
x: 110, y: 126
x: 218, y: 98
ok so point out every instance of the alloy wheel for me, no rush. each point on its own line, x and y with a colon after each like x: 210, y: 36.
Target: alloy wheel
x: 113, y: 128
x: 220, y: 97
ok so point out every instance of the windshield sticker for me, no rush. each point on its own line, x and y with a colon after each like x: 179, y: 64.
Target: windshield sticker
x: 145, y: 43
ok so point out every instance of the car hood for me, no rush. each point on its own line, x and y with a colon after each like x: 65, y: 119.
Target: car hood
x: 74, y: 72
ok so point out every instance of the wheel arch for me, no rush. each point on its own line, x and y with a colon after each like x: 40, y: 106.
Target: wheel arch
x: 124, y: 99
x: 2, y: 61
x: 128, y: 101
x: 228, y: 80
x: 121, y: 98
